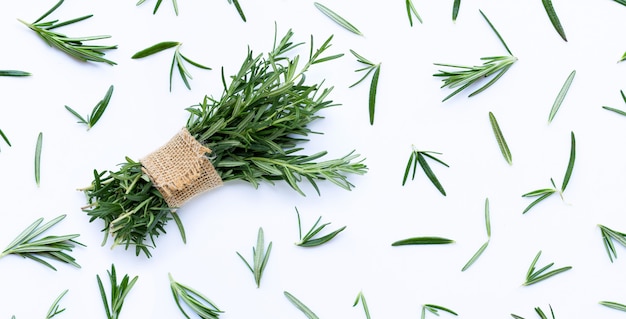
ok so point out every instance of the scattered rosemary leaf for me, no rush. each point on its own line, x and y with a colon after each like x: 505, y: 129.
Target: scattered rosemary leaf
x: 608, y: 235
x: 613, y: 305
x: 96, y: 112
x: 482, y: 248
x: 158, y: 4
x: 54, y: 309
x: 622, y: 2
x: 27, y: 245
x: 370, y: 66
x: 496, y: 32
x: 616, y: 110
x: 455, y: 9
x: 74, y: 47
x: 239, y: 10
x: 337, y: 18
x: 561, y: 96
x: 539, y: 312
x: 259, y: 258
x: 554, y: 19
x: 504, y: 148
x: 118, y: 293
x: 570, y: 163
x: 420, y: 157
x: 5, y: 138
x: 178, y: 60
x: 13, y: 73
x: 201, y: 305
x: 360, y: 297
x: 308, y: 240
x: 410, y: 11
x: 534, y: 276
x: 38, y: 158
x: 429, y: 240
x: 302, y: 307
x: 434, y: 309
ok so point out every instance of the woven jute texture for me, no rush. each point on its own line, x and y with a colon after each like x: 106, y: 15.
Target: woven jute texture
x: 180, y: 169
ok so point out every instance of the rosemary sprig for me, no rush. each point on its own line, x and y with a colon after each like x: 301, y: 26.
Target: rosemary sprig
x: 96, y: 112
x: 434, y: 309
x: 239, y: 10
x: 158, y: 4
x: 482, y: 248
x: 428, y: 240
x: 301, y: 306
x: 369, y: 67
x: 561, y: 96
x: 260, y: 256
x: 461, y: 77
x: 410, y: 11
x: 178, y: 60
x: 544, y: 193
x: 337, y: 18
x: 504, y: 148
x: 28, y: 245
x: 534, y: 276
x: 38, y: 147
x: 613, y: 305
x: 308, y: 240
x: 361, y: 298
x: 118, y: 293
x: 455, y: 9
x: 554, y: 19
x: 420, y: 157
x: 14, y: 73
x: 5, y: 138
x: 539, y: 312
x: 620, y: 112
x: 608, y: 235
x: 200, y: 304
x: 54, y: 309
x: 74, y: 47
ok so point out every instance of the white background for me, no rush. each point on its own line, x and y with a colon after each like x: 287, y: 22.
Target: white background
x: 396, y: 281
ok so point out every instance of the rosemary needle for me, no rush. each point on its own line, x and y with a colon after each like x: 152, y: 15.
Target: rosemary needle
x: 5, y: 138
x: 361, y: 298
x: 158, y: 4
x: 504, y: 148
x: 482, y: 248
x: 554, y: 19
x: 337, y: 18
x: 434, y: 309
x: 96, y: 112
x: 14, y: 73
x: 429, y: 240
x: 410, y: 10
x: 38, y: 158
x: 455, y: 9
x: 239, y: 10
x: 369, y: 67
x: 613, y: 305
x: 620, y: 112
x: 301, y: 306
x: 561, y: 96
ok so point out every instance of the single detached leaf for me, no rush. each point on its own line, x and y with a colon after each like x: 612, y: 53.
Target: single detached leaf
x: 38, y: 158
x: 554, y: 19
x: 618, y: 111
x: 475, y: 256
x: 561, y: 96
x: 337, y: 18
x: 504, y: 148
x: 99, y: 109
x: 570, y: 164
x: 239, y: 10
x: 429, y: 240
x: 13, y: 73
x: 5, y: 138
x: 302, y: 307
x: 455, y: 9
x: 614, y: 305
x: 496, y: 32
x: 372, y: 96
x: 154, y: 49
x: 81, y: 120
x: 487, y: 218
x: 429, y: 173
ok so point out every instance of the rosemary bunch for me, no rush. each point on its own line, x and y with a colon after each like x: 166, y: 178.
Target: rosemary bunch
x: 74, y: 47
x: 253, y: 131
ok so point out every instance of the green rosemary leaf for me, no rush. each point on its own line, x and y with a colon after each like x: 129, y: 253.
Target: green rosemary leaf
x: 337, y: 18
x: 196, y: 64
x: 118, y: 292
x: 74, y: 47
x: 623, y: 55
x: 99, y: 109
x: 5, y: 138
x: 420, y: 157
x: 620, y: 112
x: 487, y: 218
x: 412, y: 160
x: 516, y: 316
x: 613, y: 305
x: 239, y: 10
x: 608, y: 235
x: 410, y: 11
x: 301, y: 306
x: 370, y: 66
x: 308, y: 240
x: 259, y: 258
x: 81, y: 120
x: 504, y: 148
x: 155, y: 49
x: 554, y: 19
x: 158, y: 4
x: 14, y: 73
x: 622, y: 2
x: 540, y: 192
x: 570, y: 164
x: 200, y: 304
x: 476, y: 256
x: 38, y: 158
x: 430, y: 240
x: 534, y: 276
x: 537, y: 201
x: 561, y: 96
x: 455, y: 9
x: 429, y: 173
x: 435, y: 310
x: 360, y: 297
x: 496, y: 32
x: 54, y: 309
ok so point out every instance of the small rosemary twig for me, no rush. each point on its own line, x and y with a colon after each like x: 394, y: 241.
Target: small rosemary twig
x: 118, y: 293
x: 260, y: 256
x: 200, y: 304
x: 96, y: 112
x: 534, y: 276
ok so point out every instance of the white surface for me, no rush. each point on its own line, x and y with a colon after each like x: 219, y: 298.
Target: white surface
x: 143, y: 114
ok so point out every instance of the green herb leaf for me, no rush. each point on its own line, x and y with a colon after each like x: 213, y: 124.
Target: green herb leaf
x: 570, y: 164
x: 410, y: 11
x: 561, y: 96
x: 38, y: 158
x: 337, y: 18
x: 13, y: 73
x: 554, y: 19
x: 301, y: 306
x: 504, y: 148
x: 155, y: 49
x: 5, y: 138
x: 455, y: 9
x: 308, y: 240
x: 199, y: 304
x: 487, y: 218
x: 118, y: 293
x: 54, y: 309
x: 158, y: 4
x: 614, y: 305
x: 27, y: 245
x: 620, y: 112
x: 608, y: 235
x: 496, y: 32
x: 534, y: 276
x: 239, y: 10
x: 259, y: 258
x: 373, y: 85
x: 475, y: 256
x: 539, y: 312
x: 430, y: 240
x: 434, y: 309
x: 360, y: 297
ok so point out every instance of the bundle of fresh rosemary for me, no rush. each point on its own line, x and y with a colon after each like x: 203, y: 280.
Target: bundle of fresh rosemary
x: 251, y: 131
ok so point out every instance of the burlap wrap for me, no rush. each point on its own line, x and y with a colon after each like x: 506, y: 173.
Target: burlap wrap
x: 180, y: 169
